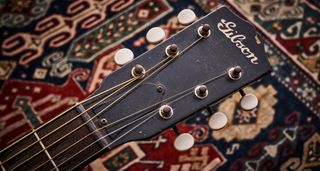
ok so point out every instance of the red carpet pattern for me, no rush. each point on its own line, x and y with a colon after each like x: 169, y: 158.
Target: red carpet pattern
x: 55, y: 53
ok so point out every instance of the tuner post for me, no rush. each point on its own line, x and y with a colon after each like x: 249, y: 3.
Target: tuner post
x: 172, y: 50
x: 166, y: 112
x: 201, y: 91
x: 138, y: 71
x: 235, y: 73
x: 204, y: 31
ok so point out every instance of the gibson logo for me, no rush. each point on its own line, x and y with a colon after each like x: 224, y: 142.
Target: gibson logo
x: 227, y: 29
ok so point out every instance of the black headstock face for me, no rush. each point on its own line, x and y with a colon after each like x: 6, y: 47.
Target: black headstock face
x: 232, y: 42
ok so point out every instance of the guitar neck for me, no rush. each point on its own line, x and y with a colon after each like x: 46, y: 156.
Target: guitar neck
x: 58, y: 145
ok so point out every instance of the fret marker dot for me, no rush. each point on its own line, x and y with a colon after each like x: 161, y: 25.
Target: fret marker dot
x: 155, y: 35
x: 123, y: 56
x: 186, y: 17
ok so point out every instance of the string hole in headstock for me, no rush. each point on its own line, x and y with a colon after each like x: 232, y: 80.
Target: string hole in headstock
x: 204, y: 31
x: 172, y: 50
x: 235, y: 73
x: 138, y: 71
x: 201, y: 91
x: 166, y: 112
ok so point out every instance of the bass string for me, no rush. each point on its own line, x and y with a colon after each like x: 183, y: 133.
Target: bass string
x: 120, y: 98
x: 56, y: 117
x: 117, y: 139
x: 77, y: 117
x: 152, y: 68
x: 181, y: 94
x: 56, y: 129
x: 95, y: 96
x: 83, y: 138
x: 115, y: 122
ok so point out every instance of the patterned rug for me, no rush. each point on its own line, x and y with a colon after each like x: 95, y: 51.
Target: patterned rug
x: 49, y: 47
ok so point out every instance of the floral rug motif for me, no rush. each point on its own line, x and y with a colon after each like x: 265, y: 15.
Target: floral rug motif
x: 51, y: 47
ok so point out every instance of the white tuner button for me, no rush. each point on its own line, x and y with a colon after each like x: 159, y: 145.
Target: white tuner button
x: 218, y: 120
x: 123, y: 56
x: 155, y: 35
x: 186, y: 17
x: 249, y: 102
x: 183, y: 142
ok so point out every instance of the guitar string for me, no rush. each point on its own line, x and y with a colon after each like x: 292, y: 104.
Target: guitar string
x: 106, y: 126
x: 185, y: 92
x: 120, y: 98
x: 42, y: 138
x: 126, y: 83
x: 77, y: 117
x: 61, y: 114
x: 83, y: 138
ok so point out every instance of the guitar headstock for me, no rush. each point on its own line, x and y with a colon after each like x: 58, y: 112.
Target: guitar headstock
x: 202, y: 64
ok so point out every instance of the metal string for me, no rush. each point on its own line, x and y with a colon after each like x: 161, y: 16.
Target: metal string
x: 186, y: 92
x: 133, y: 79
x: 133, y: 114
x: 120, y: 98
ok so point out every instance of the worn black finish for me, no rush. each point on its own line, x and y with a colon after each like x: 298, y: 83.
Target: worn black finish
x: 208, y: 58
x: 234, y: 44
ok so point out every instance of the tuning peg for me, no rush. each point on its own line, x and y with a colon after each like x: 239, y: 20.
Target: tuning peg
x: 248, y: 101
x: 155, y: 35
x: 183, y: 141
x: 186, y: 17
x: 218, y: 120
x: 123, y: 56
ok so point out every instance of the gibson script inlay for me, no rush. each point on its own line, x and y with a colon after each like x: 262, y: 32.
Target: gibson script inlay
x: 227, y: 29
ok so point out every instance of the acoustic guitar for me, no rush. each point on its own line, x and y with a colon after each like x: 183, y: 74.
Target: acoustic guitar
x: 202, y: 64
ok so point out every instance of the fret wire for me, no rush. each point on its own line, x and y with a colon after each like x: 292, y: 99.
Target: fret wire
x: 69, y: 147
x: 110, y: 106
x: 120, y: 98
x: 32, y: 132
x: 61, y: 114
x: 135, y: 78
x: 46, y: 151
x: 151, y: 106
x: 206, y: 82
x: 2, y: 167
x: 65, y: 125
x: 118, y: 138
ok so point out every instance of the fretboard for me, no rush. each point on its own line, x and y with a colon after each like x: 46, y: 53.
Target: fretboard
x: 58, y: 145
